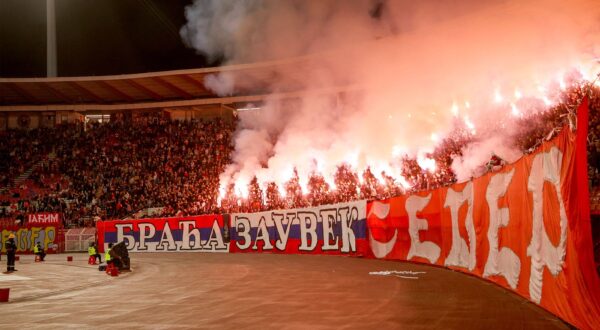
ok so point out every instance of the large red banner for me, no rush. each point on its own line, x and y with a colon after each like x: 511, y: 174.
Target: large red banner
x: 525, y: 227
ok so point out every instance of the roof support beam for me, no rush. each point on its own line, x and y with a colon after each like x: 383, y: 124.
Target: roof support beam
x: 114, y: 90
x: 58, y: 93
x: 173, y: 88
x: 144, y: 89
x: 193, y: 81
x: 83, y: 90
x: 23, y: 93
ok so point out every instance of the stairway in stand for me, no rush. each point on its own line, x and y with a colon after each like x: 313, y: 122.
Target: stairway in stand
x: 25, y: 175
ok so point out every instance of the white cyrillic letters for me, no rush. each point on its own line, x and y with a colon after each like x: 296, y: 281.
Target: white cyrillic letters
x: 242, y: 225
x: 425, y: 249
x: 187, y: 234
x: 262, y: 234
x: 329, y: 218
x: 347, y: 216
x: 144, y: 234
x: 121, y: 235
x: 310, y: 219
x: 546, y: 167
x: 504, y: 262
x: 460, y: 255
x: 166, y: 237
x: 381, y: 250
x: 215, y: 240
x: 282, y: 232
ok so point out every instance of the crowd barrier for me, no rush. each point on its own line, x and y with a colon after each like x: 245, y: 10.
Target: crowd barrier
x: 525, y: 227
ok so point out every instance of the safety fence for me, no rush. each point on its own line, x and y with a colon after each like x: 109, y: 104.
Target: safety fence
x: 79, y: 239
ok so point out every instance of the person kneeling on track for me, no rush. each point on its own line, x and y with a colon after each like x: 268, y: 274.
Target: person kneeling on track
x: 93, y: 252
x: 39, y: 251
x: 112, y: 257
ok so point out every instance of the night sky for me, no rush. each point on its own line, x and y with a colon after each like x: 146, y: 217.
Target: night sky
x: 95, y: 37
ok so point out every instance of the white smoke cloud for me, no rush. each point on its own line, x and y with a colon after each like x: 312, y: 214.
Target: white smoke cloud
x: 477, y: 154
x: 401, y: 65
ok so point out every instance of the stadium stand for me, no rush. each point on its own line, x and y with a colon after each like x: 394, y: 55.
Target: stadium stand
x: 148, y: 161
x: 145, y: 163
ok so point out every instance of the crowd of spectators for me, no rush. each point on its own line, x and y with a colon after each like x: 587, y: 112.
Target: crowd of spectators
x: 148, y: 161
x: 115, y: 169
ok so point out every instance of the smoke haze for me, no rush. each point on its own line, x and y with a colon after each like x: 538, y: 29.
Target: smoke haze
x: 407, y: 69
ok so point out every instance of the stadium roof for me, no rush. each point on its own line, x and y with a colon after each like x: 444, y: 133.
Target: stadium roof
x: 147, y: 90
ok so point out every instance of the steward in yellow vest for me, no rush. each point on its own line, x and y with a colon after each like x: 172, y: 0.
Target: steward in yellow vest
x: 39, y: 251
x: 107, y: 253
x: 93, y: 252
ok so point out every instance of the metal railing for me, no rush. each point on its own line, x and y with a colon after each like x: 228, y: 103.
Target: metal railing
x: 79, y: 239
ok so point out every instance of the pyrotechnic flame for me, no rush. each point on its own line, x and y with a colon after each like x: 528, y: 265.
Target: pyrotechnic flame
x: 282, y: 190
x: 426, y: 163
x: 518, y: 94
x: 434, y: 137
x: 398, y: 151
x: 498, y: 96
x: 241, y: 190
x: 542, y: 89
x: 561, y: 82
x: 222, y: 192
x: 331, y: 182
x: 405, y: 184
x: 303, y: 182
x: 469, y: 124
x: 454, y: 109
x: 514, y: 110
x: 352, y: 159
